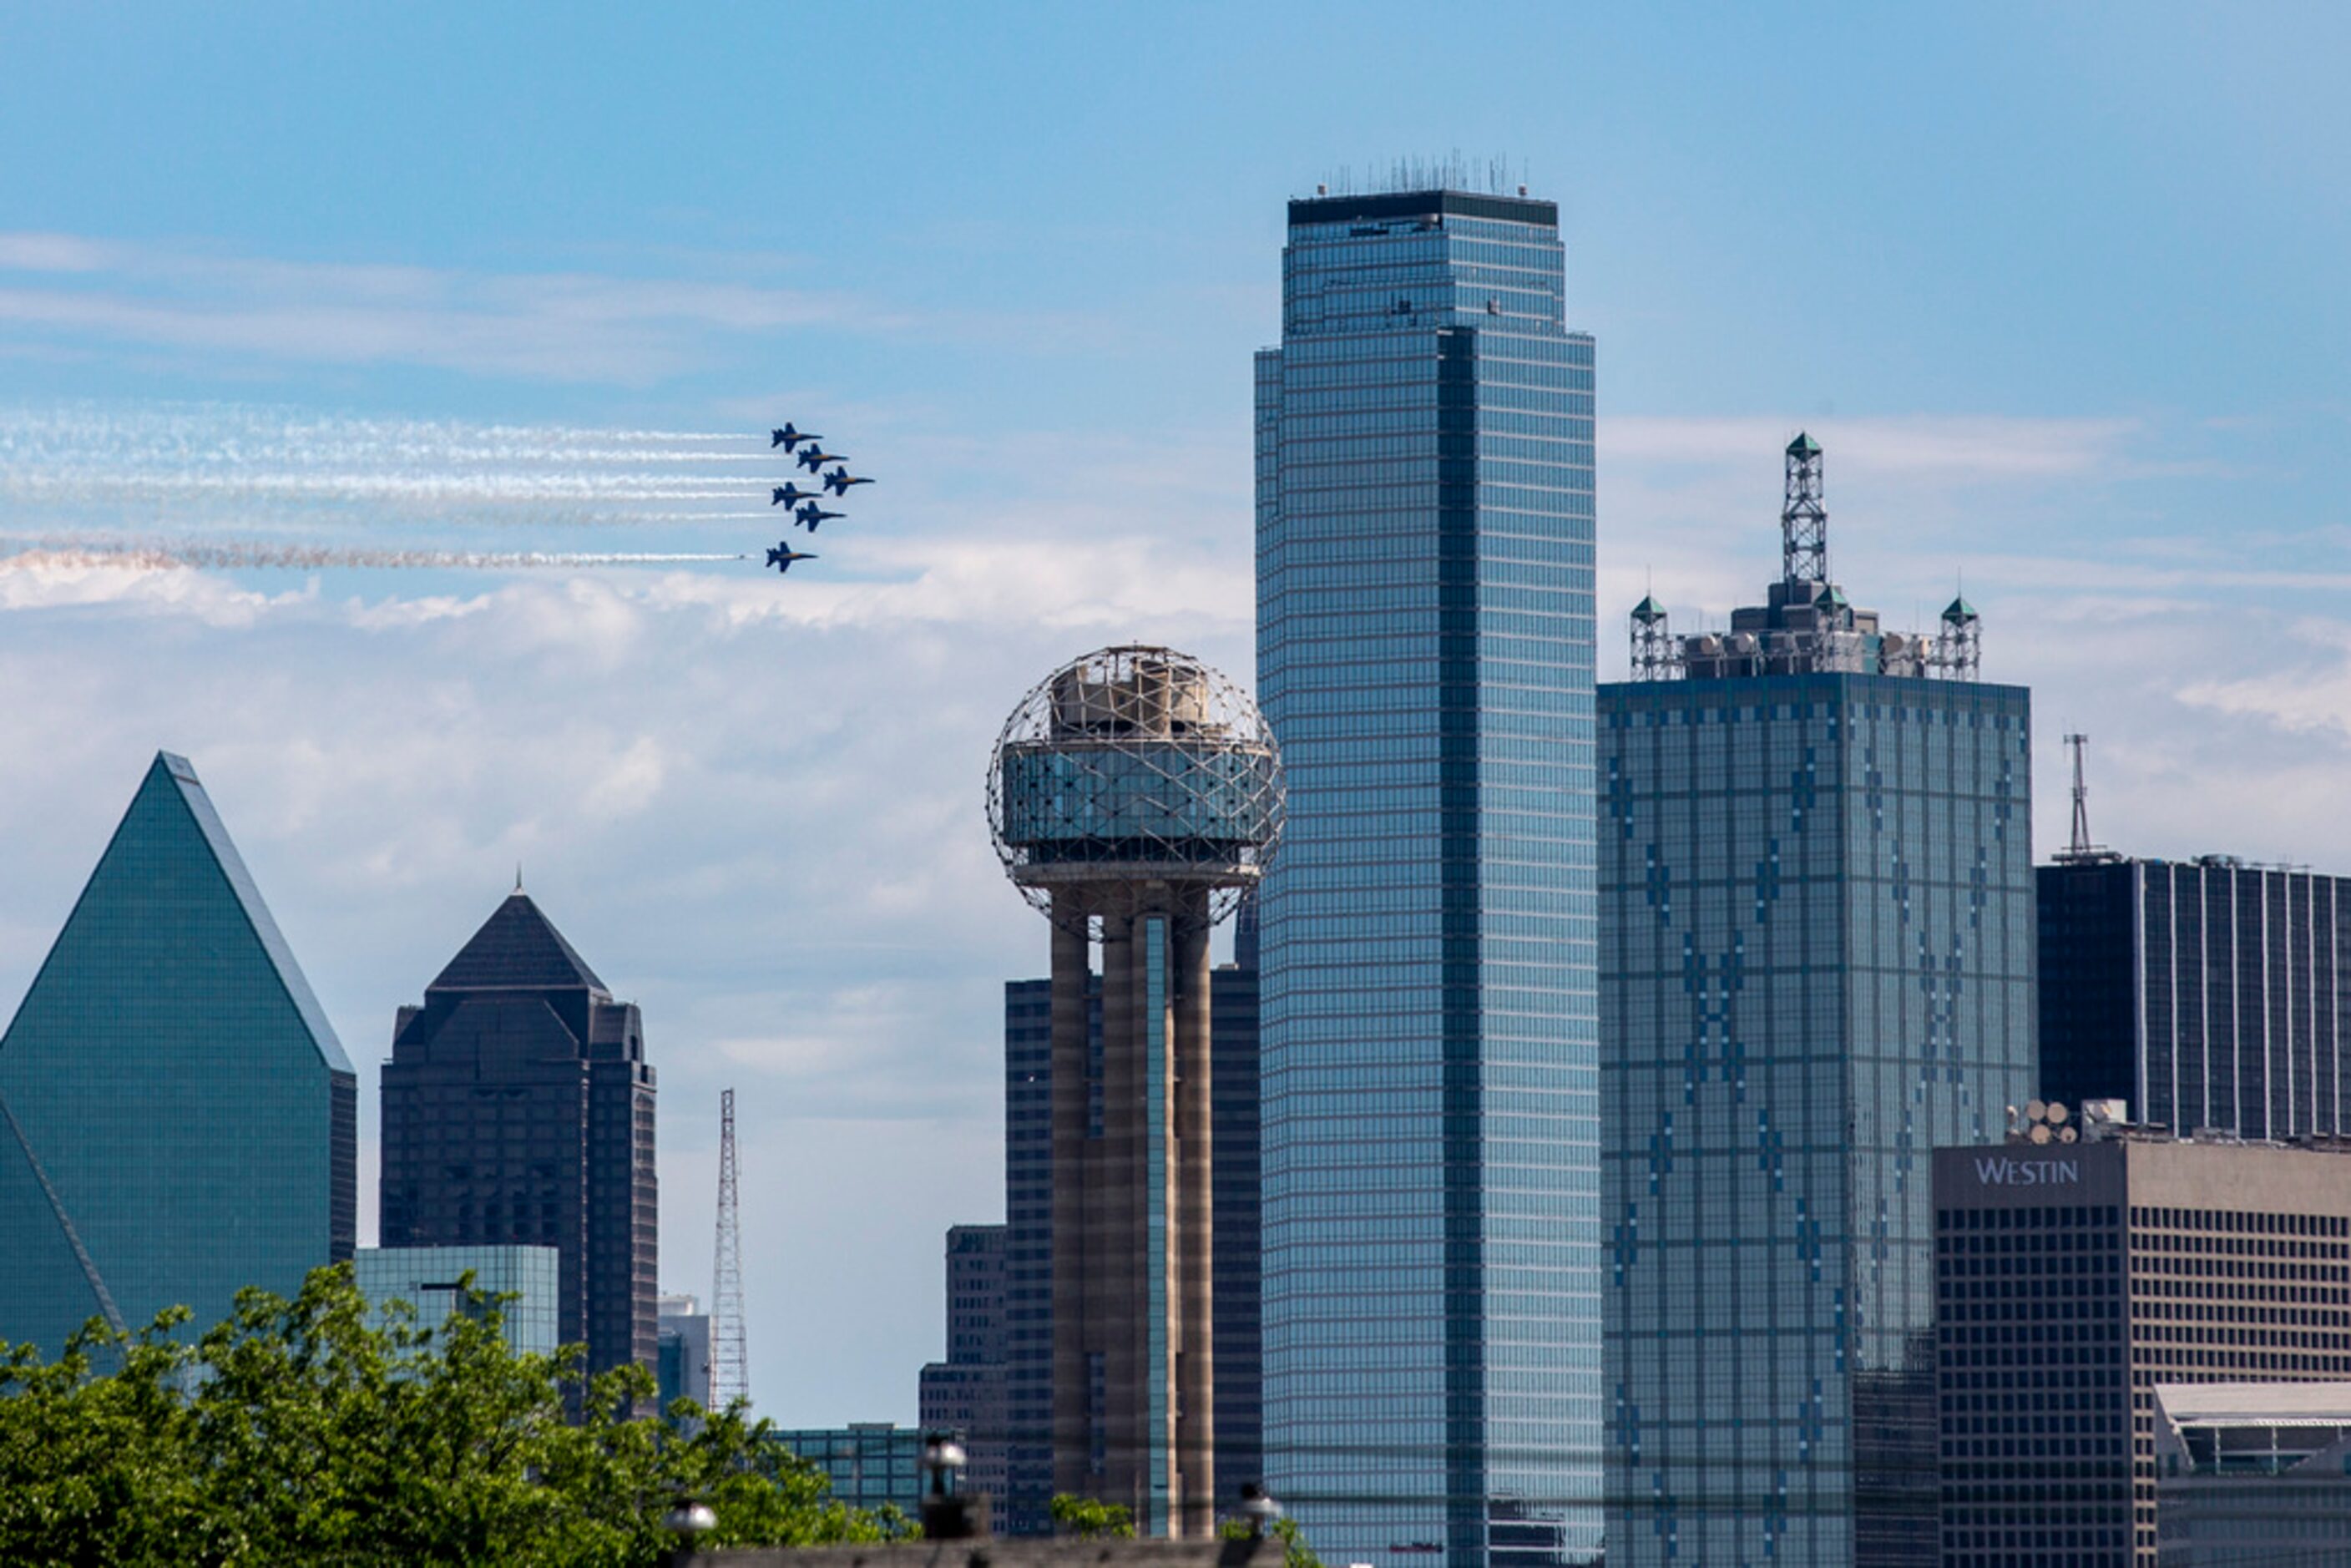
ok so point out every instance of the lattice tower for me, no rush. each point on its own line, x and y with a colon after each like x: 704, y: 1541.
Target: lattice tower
x: 1805, y: 516
x: 730, y: 1373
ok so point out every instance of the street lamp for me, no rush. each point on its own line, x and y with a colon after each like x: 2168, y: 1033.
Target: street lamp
x: 1258, y: 1508
x: 687, y: 1520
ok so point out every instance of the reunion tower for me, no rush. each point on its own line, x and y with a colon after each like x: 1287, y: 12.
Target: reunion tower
x: 1133, y: 794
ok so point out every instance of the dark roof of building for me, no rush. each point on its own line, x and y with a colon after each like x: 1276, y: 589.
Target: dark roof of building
x: 518, y: 949
x: 1648, y: 609
x: 1372, y: 208
x: 1804, y: 446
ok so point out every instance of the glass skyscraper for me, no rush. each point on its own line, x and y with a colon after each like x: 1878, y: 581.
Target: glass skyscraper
x: 177, y: 1119
x: 1816, y: 966
x: 1425, y: 657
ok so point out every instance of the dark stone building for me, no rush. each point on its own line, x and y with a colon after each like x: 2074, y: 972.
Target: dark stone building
x: 964, y: 1393
x: 2207, y: 993
x: 519, y: 1107
x: 2073, y: 1281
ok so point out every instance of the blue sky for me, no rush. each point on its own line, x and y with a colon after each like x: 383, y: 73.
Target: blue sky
x: 2060, y: 289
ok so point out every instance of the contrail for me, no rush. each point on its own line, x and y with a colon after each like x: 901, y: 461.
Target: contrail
x: 166, y: 557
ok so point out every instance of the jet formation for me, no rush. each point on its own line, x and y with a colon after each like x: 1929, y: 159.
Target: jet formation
x: 805, y: 507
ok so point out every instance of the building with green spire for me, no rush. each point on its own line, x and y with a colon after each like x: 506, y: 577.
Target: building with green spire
x: 177, y: 1118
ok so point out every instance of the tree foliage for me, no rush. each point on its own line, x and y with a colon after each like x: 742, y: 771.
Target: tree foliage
x: 302, y: 1431
x: 1090, y: 1518
x: 1295, y: 1553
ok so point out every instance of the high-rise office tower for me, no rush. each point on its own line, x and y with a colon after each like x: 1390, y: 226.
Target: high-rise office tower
x: 518, y: 1106
x: 1133, y: 794
x: 1425, y: 653
x: 177, y: 1119
x: 1816, y: 966
x: 2076, y: 1281
x: 2207, y: 993
x: 964, y: 1393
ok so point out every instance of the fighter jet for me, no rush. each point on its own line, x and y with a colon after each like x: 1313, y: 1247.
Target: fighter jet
x: 789, y: 437
x: 810, y: 515
x: 816, y: 457
x: 783, y: 554
x: 841, y: 479
x: 792, y: 496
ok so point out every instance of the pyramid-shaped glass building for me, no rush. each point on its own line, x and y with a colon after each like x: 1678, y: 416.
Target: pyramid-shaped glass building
x: 177, y: 1119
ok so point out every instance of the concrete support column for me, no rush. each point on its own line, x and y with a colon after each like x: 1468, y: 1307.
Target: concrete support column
x: 1075, y: 1226
x: 1117, y: 1307
x: 1192, y: 1333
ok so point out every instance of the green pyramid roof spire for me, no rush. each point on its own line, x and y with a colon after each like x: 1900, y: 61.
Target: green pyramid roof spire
x: 181, y: 1117
x: 1648, y: 610
x: 1803, y: 447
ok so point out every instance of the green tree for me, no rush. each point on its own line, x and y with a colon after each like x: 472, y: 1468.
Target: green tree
x: 1295, y: 1553
x: 302, y: 1431
x: 1089, y: 1517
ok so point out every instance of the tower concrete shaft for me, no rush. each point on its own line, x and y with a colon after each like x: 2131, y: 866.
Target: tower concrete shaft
x: 1134, y: 1329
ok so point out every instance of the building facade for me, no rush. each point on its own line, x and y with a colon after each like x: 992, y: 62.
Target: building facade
x: 683, y: 1365
x: 1816, y: 886
x: 2072, y: 1280
x: 2252, y: 1475
x: 871, y: 1464
x: 1425, y: 655
x: 519, y: 1107
x: 966, y: 1393
x: 432, y: 1281
x: 2209, y: 994
x: 177, y: 1118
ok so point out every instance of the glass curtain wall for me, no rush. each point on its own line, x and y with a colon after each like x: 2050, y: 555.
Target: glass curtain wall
x: 1425, y: 657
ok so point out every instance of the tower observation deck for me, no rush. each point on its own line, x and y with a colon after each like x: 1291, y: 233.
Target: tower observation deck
x: 1133, y: 794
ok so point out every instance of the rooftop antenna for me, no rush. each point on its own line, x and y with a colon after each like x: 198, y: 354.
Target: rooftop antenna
x: 731, y: 1355
x: 2082, y: 851
x: 1805, y: 516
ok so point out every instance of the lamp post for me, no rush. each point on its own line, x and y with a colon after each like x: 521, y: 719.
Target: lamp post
x: 1258, y: 1508
x: 947, y: 1514
x: 689, y: 1519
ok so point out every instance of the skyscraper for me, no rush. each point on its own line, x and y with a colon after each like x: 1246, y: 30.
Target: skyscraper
x: 1133, y: 793
x: 1816, y: 966
x: 1425, y: 654
x: 2076, y: 1281
x: 2207, y: 993
x: 518, y: 1106
x: 964, y: 1393
x: 177, y: 1119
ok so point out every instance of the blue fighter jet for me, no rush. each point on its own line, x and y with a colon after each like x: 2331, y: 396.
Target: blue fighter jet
x: 816, y: 457
x: 783, y: 554
x: 810, y: 515
x: 789, y: 437
x: 841, y: 479
x: 792, y: 496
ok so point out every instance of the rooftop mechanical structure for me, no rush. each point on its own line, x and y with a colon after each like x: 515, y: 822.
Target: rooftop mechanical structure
x: 1807, y: 623
x: 1133, y: 794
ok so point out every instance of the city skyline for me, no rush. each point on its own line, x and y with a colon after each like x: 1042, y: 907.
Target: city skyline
x: 2055, y: 363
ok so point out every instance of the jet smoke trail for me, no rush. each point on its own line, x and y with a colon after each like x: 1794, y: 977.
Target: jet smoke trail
x: 170, y: 556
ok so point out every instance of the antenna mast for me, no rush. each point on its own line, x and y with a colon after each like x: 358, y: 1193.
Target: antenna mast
x: 731, y: 1355
x: 2082, y: 851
